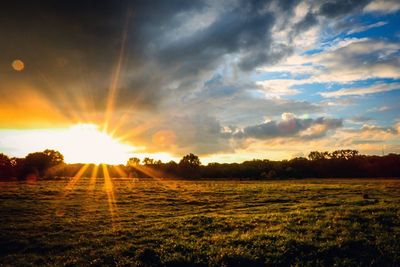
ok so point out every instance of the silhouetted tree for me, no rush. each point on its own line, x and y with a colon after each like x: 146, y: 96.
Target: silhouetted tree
x: 344, y: 154
x: 301, y: 168
x: 37, y: 163
x: 189, y: 166
x: 132, y: 167
x: 54, y: 157
x: 133, y: 162
x: 6, y: 168
x: 148, y: 161
x: 340, y: 163
x: 190, y: 160
x: 315, y: 155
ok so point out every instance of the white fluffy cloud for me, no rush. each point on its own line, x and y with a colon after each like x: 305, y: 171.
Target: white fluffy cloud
x: 377, y: 88
x: 384, y: 6
x: 344, y: 61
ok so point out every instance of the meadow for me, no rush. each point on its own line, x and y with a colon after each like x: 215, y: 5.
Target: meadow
x: 155, y: 222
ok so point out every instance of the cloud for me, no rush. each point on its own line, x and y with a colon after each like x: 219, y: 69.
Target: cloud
x: 357, y: 60
x: 278, y: 87
x: 365, y: 140
x: 332, y: 9
x: 169, y: 47
x: 373, y: 89
x: 368, y: 136
x: 360, y: 119
x: 75, y: 47
x: 379, y: 109
x: 290, y: 126
x: 342, y: 61
x: 368, y: 139
x: 363, y: 28
x: 366, y: 128
x: 383, y: 6
x: 238, y: 102
x: 181, y: 134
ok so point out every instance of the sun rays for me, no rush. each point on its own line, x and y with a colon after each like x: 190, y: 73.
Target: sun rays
x: 99, y: 189
x: 93, y: 178
x: 109, y: 188
x: 113, y: 90
x: 92, y: 127
x: 103, y: 190
x: 95, y: 136
x: 71, y: 184
x: 93, y: 193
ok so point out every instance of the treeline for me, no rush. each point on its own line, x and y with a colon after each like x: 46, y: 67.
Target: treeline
x: 337, y: 164
x: 34, y: 165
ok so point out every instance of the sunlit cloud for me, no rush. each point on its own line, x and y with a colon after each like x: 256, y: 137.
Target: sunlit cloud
x: 373, y: 89
x: 384, y: 6
x: 363, y: 28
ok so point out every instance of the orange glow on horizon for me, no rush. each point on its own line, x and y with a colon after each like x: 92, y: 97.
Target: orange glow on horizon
x: 81, y: 143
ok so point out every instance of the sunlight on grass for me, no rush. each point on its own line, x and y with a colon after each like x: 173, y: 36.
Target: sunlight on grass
x: 210, y: 223
x: 109, y: 188
x: 93, y: 178
x: 75, y: 179
x: 68, y: 189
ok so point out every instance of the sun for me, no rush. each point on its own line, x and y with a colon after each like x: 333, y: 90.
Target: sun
x: 85, y: 143
x: 79, y: 143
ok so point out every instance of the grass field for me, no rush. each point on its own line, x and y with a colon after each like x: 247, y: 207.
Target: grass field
x: 127, y: 222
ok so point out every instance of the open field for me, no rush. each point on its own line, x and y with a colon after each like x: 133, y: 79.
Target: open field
x: 125, y: 222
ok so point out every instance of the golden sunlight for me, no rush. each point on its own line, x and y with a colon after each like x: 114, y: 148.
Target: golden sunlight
x: 85, y: 143
x: 80, y: 143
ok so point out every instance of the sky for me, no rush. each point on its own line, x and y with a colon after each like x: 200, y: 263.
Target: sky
x: 227, y: 80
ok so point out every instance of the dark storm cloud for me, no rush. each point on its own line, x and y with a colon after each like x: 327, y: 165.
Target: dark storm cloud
x: 332, y: 9
x: 70, y: 48
x: 241, y: 103
x: 233, y: 31
x: 289, y: 128
x: 74, y: 45
x: 307, y: 22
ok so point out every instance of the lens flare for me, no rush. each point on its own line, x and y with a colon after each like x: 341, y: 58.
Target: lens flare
x: 18, y: 65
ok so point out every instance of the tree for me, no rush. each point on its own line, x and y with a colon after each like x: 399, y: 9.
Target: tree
x: 189, y: 166
x: 37, y: 163
x: 190, y: 160
x: 315, y: 155
x: 344, y: 154
x: 5, y: 166
x: 148, y: 161
x: 54, y: 157
x: 133, y: 162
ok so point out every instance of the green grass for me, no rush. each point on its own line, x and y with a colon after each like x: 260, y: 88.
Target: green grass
x: 151, y: 222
